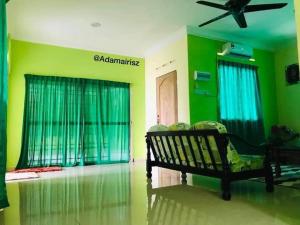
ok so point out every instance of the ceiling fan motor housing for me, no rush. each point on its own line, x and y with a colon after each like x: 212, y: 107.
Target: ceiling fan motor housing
x: 237, y: 6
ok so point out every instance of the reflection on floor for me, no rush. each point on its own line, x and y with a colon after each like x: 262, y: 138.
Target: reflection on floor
x: 119, y: 194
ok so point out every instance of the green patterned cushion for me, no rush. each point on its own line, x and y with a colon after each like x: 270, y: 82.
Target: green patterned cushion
x: 207, y: 125
x: 247, y: 162
x: 237, y: 163
x: 158, y: 128
x: 173, y: 127
x: 232, y: 154
x: 181, y: 127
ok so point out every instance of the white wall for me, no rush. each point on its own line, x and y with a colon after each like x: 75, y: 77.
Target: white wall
x: 172, y: 56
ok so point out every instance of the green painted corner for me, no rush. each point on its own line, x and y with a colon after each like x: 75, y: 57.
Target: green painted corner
x: 288, y: 95
x: 202, y: 53
x: 48, y: 60
x: 202, y: 57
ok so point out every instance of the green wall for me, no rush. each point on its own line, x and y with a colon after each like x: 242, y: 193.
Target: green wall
x: 288, y: 95
x: 50, y: 60
x: 202, y: 55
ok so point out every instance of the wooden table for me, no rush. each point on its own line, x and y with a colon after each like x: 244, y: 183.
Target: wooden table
x: 288, y: 153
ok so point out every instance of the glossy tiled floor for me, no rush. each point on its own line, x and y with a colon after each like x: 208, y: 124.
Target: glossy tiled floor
x: 118, y: 194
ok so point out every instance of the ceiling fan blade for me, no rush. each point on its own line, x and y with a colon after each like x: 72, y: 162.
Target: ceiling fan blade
x: 240, y: 19
x: 211, y: 4
x: 254, y: 8
x: 215, y: 19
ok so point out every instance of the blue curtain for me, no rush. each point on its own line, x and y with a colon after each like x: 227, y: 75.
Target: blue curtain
x: 69, y: 122
x: 239, y: 100
x: 3, y: 103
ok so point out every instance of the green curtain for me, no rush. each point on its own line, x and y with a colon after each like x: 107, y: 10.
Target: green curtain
x: 3, y: 103
x: 103, y: 198
x: 239, y: 101
x: 69, y: 122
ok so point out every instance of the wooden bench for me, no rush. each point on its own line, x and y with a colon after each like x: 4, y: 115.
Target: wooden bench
x: 183, y: 151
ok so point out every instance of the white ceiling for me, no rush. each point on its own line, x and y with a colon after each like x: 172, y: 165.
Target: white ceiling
x: 131, y: 27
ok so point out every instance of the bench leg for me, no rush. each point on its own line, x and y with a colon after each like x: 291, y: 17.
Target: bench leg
x: 269, y: 180
x: 148, y: 161
x: 225, y: 185
x: 183, y: 178
x: 149, y: 170
x: 149, y: 197
x: 268, y: 170
x: 277, y: 163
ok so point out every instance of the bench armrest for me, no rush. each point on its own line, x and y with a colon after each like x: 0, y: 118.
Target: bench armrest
x: 259, y: 149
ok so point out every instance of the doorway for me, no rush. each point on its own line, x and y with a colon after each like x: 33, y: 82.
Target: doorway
x: 167, y: 114
x: 166, y: 99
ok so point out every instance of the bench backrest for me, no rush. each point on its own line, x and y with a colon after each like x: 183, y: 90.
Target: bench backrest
x: 205, y: 149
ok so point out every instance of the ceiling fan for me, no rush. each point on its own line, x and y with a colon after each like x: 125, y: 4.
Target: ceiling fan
x: 237, y: 8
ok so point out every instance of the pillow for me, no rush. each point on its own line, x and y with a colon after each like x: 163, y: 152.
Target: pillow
x: 248, y: 162
x: 158, y: 128
x: 179, y: 126
x: 207, y: 125
x: 232, y: 154
x: 182, y: 127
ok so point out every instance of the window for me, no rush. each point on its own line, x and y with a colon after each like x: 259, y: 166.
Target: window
x: 71, y: 121
x: 238, y: 92
x: 239, y: 101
